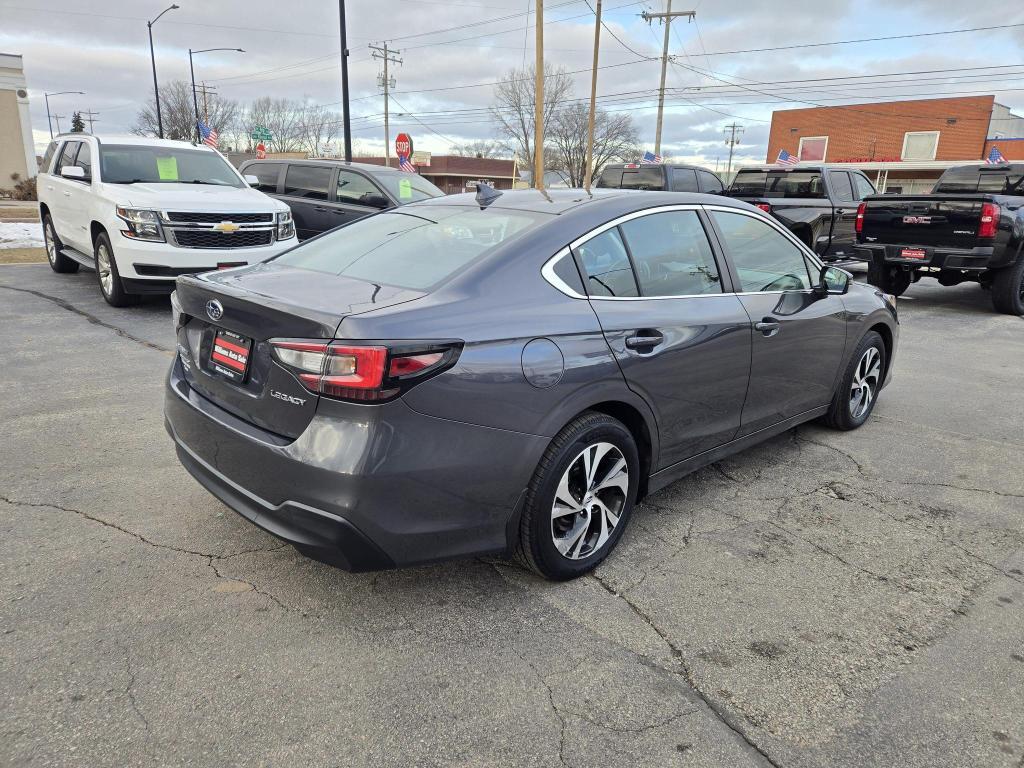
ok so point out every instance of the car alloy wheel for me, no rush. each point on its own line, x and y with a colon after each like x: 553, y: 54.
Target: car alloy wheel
x: 589, y: 501
x: 104, y: 269
x: 51, y: 243
x: 866, y: 379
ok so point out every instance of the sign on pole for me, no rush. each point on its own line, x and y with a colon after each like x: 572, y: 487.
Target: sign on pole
x: 421, y: 159
x: 403, y: 145
x: 261, y: 151
x: 262, y: 133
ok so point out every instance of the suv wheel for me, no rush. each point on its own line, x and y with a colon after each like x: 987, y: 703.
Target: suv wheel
x: 58, y: 261
x: 857, y: 394
x: 890, y: 279
x: 580, y: 498
x: 109, y: 278
x: 1008, y: 289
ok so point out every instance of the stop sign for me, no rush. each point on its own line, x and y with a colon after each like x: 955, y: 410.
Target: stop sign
x: 261, y: 151
x: 403, y: 145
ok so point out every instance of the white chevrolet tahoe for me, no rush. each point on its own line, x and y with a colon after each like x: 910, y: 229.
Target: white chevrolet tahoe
x: 142, y: 211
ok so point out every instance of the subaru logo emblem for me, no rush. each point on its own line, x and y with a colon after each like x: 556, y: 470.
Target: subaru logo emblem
x: 214, y: 309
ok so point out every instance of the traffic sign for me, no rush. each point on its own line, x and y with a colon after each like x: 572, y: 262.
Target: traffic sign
x: 262, y: 133
x: 403, y: 145
x: 261, y: 151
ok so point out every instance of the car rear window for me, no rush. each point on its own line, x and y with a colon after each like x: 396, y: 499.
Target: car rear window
x: 1005, y: 180
x: 637, y: 177
x: 417, y: 248
x: 778, y: 184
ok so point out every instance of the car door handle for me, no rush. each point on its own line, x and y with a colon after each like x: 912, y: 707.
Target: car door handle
x: 644, y: 340
x: 768, y: 327
x: 67, y: 194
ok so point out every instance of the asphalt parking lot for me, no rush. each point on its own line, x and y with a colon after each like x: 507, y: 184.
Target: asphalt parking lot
x: 824, y: 599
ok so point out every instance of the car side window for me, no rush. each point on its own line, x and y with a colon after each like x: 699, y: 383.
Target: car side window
x: 354, y: 187
x: 267, y: 173
x: 682, y: 180
x: 764, y: 258
x: 309, y: 181
x: 67, y: 155
x: 863, y: 186
x: 605, y: 265
x: 840, y: 181
x: 709, y: 182
x: 672, y: 255
x: 51, y: 150
x: 84, y: 160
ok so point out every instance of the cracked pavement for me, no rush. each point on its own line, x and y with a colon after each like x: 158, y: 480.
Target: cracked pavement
x: 840, y: 599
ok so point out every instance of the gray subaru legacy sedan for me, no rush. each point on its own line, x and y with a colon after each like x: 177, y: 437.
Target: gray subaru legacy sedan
x: 508, y: 373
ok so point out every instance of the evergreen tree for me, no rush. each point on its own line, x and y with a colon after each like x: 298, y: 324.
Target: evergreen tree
x: 77, y: 123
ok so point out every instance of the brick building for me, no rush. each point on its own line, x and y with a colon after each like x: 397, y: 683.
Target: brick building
x: 902, y: 145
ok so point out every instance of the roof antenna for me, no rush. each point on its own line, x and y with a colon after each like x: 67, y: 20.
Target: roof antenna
x: 486, y: 194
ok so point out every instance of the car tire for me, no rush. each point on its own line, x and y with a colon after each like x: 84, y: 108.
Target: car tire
x: 58, y: 261
x: 1008, y: 289
x: 865, y: 374
x: 108, y: 276
x: 595, y: 509
x: 889, y: 279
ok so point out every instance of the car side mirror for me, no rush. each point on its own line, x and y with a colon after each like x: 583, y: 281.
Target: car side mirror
x: 833, y: 280
x: 252, y: 181
x: 73, y: 172
x: 376, y: 200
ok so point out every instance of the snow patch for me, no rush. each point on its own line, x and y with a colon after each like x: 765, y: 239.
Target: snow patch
x: 19, y: 235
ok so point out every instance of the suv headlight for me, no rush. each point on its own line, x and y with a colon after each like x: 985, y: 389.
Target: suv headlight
x: 142, y: 224
x: 285, y: 225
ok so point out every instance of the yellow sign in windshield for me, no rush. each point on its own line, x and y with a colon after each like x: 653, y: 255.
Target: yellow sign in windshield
x: 167, y: 168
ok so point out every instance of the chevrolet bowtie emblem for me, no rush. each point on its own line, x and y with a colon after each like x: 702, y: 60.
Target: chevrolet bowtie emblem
x: 226, y: 226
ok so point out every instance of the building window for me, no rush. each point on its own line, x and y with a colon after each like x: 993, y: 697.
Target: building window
x: 812, y: 148
x: 920, y: 145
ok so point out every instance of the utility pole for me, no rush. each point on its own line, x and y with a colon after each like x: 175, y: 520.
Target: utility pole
x: 588, y: 168
x: 206, y: 90
x: 388, y: 56
x: 538, y: 100
x: 732, y: 138
x: 90, y: 116
x: 57, y: 119
x: 666, y: 18
x: 346, y: 123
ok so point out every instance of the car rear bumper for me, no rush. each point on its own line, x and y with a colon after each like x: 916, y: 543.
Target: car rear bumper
x: 964, y: 259
x: 364, y: 487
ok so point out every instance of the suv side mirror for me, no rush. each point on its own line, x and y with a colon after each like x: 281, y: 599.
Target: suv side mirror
x: 252, y: 181
x: 375, y: 200
x: 73, y: 172
x: 833, y: 280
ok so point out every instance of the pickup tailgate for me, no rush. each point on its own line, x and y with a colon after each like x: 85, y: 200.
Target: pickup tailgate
x: 942, y: 221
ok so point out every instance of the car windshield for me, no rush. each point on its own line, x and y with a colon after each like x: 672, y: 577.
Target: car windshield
x: 138, y: 163
x: 408, y: 187
x: 1005, y: 180
x: 415, y: 248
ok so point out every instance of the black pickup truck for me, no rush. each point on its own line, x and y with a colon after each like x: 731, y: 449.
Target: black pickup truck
x: 969, y: 229
x: 817, y: 203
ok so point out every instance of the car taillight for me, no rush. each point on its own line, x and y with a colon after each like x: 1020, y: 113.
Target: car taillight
x: 989, y: 223
x: 764, y: 207
x: 366, y: 373
x: 859, y: 225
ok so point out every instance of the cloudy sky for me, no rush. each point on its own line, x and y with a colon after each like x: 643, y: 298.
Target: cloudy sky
x: 453, y: 52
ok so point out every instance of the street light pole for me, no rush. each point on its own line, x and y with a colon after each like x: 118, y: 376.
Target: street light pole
x: 46, y: 97
x: 588, y: 163
x: 538, y: 99
x: 346, y: 124
x: 152, y: 58
x: 192, y: 72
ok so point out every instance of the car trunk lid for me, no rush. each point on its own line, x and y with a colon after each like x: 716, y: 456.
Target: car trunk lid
x: 229, y: 318
x: 949, y: 221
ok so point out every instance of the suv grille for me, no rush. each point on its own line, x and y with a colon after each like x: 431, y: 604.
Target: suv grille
x: 216, y: 218
x: 207, y: 238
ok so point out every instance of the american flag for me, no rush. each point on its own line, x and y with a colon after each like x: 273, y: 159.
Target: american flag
x: 650, y: 158
x: 208, y: 135
x: 405, y: 165
x: 995, y: 157
x: 785, y: 158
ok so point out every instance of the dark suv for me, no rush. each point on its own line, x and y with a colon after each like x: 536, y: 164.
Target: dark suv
x: 660, y: 177
x: 324, y: 194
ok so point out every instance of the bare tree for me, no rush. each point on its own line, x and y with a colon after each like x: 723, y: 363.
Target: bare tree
x: 513, y: 112
x: 178, y: 113
x: 485, y: 148
x: 281, y: 117
x: 615, y: 138
x: 317, y: 128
